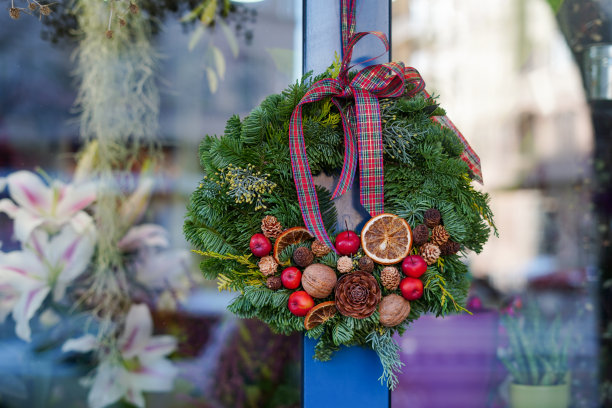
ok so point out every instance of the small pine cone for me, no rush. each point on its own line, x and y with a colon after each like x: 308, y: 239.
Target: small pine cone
x: 32, y: 6
x: 267, y: 266
x: 45, y: 10
x: 109, y: 34
x: 14, y: 13
x: 270, y: 227
x: 430, y: 253
x: 303, y: 257
x: 345, y: 264
x: 319, y: 248
x: 390, y: 278
x: 439, y: 235
x: 274, y: 282
x: 420, y: 234
x: 432, y: 217
x: 366, y: 264
x: 122, y: 22
x: 134, y: 8
x: 449, y: 248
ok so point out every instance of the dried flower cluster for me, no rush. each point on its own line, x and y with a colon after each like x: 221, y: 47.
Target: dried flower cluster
x: 245, y: 185
x: 33, y: 7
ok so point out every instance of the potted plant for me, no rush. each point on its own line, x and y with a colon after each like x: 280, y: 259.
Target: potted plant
x: 536, y: 357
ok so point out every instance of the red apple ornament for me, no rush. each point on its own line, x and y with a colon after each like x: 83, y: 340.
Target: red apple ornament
x: 347, y: 243
x: 291, y: 277
x: 300, y: 303
x: 411, y: 288
x: 260, y: 245
x: 414, y: 266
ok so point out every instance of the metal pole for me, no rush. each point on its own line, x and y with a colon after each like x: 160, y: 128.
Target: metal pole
x: 350, y: 379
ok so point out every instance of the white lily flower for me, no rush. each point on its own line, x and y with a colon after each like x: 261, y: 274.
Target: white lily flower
x: 44, y: 264
x: 145, y: 236
x: 35, y: 204
x: 142, y: 365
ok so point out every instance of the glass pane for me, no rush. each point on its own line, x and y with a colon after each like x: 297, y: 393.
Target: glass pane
x: 507, y: 78
x: 158, y: 333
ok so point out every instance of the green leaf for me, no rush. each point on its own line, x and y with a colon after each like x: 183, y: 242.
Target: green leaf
x: 213, y: 81
x: 196, y: 37
x: 230, y: 37
x: 219, y: 61
x: 208, y: 13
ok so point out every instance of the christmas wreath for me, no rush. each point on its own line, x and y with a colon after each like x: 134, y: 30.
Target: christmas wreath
x: 263, y: 228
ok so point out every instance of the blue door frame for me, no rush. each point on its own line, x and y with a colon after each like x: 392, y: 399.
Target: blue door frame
x: 350, y: 379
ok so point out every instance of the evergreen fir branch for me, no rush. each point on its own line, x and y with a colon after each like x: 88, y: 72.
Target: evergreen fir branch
x: 331, y: 259
x: 388, y: 352
x: 206, y: 238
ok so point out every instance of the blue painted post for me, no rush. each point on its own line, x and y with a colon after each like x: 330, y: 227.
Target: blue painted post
x: 350, y: 379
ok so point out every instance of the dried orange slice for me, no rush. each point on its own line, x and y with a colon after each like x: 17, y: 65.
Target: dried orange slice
x: 320, y: 314
x: 386, y: 239
x: 289, y: 237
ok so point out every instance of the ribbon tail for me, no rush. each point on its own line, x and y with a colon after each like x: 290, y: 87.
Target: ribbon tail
x: 304, y: 185
x: 350, y: 152
x: 370, y: 147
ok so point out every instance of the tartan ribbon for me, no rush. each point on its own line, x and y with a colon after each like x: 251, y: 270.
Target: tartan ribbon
x: 361, y: 124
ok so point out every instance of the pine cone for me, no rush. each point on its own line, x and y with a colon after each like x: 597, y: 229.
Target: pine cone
x: 449, y: 248
x: 390, y: 278
x: 430, y: 253
x: 270, y: 227
x: 432, y: 217
x: 274, y: 282
x: 319, y: 248
x: 303, y: 257
x: 345, y: 264
x: 267, y: 265
x: 366, y: 264
x: 420, y: 234
x: 357, y: 295
x: 439, y: 235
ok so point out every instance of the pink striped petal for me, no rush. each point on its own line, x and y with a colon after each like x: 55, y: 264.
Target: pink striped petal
x: 29, y: 192
x: 24, y: 309
x: 75, y: 198
x: 157, y: 347
x: 137, y: 332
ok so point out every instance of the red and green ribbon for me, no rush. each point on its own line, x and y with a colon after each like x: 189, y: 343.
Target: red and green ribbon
x: 361, y: 123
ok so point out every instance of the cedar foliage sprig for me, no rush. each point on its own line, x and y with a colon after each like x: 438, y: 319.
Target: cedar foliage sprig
x: 422, y: 169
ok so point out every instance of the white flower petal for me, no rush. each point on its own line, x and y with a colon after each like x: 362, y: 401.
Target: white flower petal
x: 137, y: 332
x: 142, y: 236
x: 25, y: 223
x: 8, y: 207
x: 135, y: 397
x: 24, y: 309
x: 22, y: 270
x: 29, y: 192
x: 156, y: 376
x: 74, y: 198
x: 158, y: 347
x: 109, y: 385
x: 81, y: 344
x: 72, y: 253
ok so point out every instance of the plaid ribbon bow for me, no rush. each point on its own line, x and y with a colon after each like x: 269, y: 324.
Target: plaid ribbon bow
x: 373, y: 82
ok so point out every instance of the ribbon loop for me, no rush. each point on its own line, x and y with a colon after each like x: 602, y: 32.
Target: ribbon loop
x: 362, y: 127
